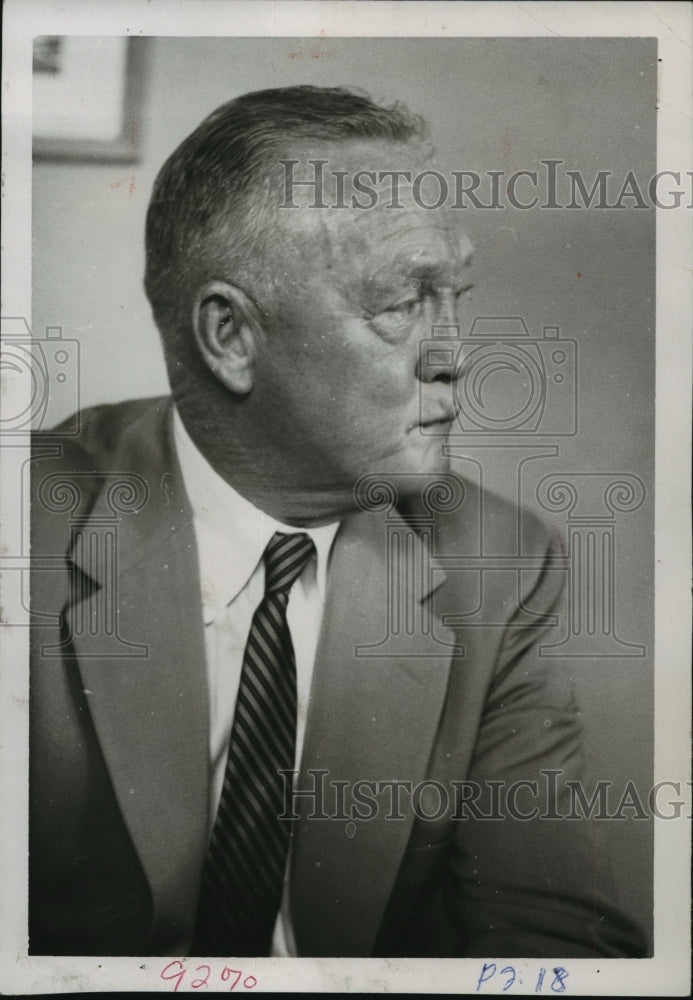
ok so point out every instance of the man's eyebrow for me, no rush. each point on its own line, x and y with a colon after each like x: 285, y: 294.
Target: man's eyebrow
x: 433, y: 260
x: 436, y: 271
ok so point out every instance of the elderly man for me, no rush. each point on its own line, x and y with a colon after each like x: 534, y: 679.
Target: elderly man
x: 222, y: 623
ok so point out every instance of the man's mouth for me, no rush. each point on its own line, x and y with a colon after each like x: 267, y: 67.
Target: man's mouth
x: 443, y: 421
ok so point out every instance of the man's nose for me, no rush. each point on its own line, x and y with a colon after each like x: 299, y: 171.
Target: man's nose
x: 439, y: 348
x: 439, y: 354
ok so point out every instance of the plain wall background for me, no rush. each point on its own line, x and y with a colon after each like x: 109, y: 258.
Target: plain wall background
x: 494, y: 104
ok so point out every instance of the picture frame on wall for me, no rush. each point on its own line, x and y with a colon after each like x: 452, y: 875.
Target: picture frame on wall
x: 87, y: 98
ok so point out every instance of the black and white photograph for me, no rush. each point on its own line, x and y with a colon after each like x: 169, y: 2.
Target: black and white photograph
x: 345, y: 440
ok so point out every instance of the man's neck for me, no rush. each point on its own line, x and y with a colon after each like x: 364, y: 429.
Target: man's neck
x: 267, y: 480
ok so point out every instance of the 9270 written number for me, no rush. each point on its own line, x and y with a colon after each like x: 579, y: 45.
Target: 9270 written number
x: 177, y: 971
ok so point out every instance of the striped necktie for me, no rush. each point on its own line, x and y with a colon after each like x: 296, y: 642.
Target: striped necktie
x: 243, y: 875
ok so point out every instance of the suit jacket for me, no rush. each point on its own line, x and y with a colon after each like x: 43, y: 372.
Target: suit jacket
x: 119, y: 726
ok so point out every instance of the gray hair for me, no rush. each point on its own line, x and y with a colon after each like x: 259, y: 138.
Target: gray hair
x: 211, y: 204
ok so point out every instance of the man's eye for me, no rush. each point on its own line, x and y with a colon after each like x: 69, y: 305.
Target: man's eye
x: 405, y: 308
x: 397, y: 320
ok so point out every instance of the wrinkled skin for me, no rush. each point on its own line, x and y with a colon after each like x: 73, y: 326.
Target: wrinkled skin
x: 338, y: 387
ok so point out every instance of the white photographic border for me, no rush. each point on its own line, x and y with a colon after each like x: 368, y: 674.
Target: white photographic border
x: 668, y: 972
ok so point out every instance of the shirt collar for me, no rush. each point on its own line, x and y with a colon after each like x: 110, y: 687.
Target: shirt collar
x: 232, y: 532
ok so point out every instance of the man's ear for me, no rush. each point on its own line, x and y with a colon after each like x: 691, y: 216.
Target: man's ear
x: 227, y: 329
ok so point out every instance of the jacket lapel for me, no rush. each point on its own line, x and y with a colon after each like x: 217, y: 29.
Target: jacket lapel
x: 374, y: 711
x: 137, y: 635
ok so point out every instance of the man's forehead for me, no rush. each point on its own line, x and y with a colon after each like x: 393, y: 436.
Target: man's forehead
x: 360, y: 173
x: 360, y: 221
x: 409, y: 238
x: 410, y: 234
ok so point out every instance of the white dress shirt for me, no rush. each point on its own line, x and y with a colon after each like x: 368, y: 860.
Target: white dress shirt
x: 232, y: 535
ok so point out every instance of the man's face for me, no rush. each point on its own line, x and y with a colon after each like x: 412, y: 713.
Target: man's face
x: 339, y: 376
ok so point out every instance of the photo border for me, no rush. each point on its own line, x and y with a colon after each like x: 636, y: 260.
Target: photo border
x: 668, y: 972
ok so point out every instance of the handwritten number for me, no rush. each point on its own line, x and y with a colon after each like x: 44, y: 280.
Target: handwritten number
x: 175, y: 972
x: 488, y: 971
x: 511, y: 980
x: 197, y: 983
x: 226, y: 974
x: 559, y: 977
x: 179, y: 974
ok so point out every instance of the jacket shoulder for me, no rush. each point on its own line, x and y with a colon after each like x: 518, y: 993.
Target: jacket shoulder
x: 67, y: 469
x: 481, y: 522
x: 100, y: 429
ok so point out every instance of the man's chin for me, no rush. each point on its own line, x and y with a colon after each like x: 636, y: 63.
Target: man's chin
x: 408, y: 475
x: 433, y: 459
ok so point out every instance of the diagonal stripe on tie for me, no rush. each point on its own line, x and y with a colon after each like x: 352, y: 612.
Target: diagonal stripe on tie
x: 266, y: 686
x: 243, y: 873
x: 254, y: 735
